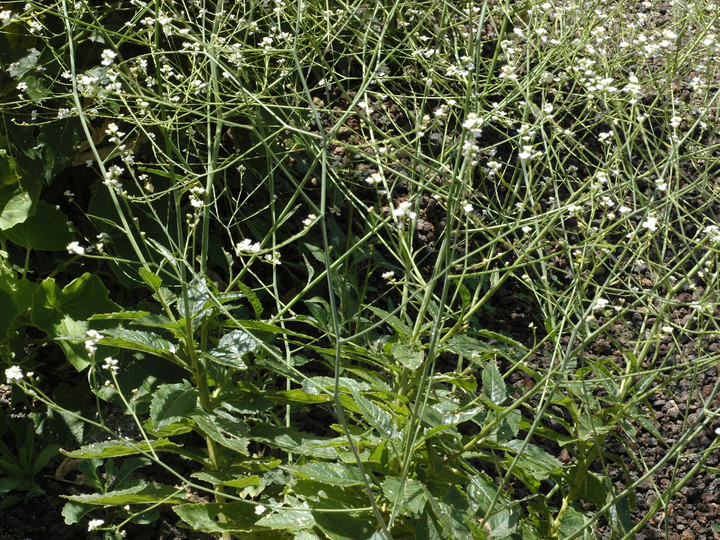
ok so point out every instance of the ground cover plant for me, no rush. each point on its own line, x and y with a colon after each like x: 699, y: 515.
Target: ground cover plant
x: 256, y: 260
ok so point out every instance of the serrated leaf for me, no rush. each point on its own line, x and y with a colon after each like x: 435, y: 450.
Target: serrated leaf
x: 411, y: 500
x: 408, y: 357
x: 172, y: 403
x: 140, y: 340
x: 397, y: 325
x: 145, y: 493
x: 47, y: 229
x: 494, y: 387
x: 534, y: 461
x: 240, y: 516
x: 198, y: 296
x: 344, y: 526
x: 297, y: 442
x: 224, y: 428
x: 481, y: 491
x: 73, y: 511
x: 427, y: 527
x: 338, y: 474
x: 153, y: 280
x: 232, y: 347
x: 252, y: 298
x: 289, y: 397
x: 375, y: 415
x: 293, y: 518
x: 27, y: 63
x: 108, y: 449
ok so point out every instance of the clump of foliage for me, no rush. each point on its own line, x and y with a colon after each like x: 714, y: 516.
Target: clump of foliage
x: 293, y: 226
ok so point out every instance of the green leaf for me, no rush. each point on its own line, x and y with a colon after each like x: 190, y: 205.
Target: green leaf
x: 47, y: 229
x: 73, y: 511
x: 140, y: 340
x: 534, y: 461
x: 375, y: 415
x: 232, y: 347
x: 295, y: 518
x: 338, y: 474
x: 298, y: 397
x: 481, y: 493
x: 427, y: 527
x: 18, y: 194
x: 198, y: 297
x: 252, y: 298
x: 153, y: 280
x: 297, y: 442
x: 110, y: 449
x: 7, y: 313
x: 58, y: 142
x: 241, y: 516
x: 172, y: 403
x: 412, y: 499
x: 143, y: 493
x: 224, y: 428
x: 24, y: 64
x: 65, y: 312
x: 342, y: 526
x: 494, y: 387
x: 408, y: 357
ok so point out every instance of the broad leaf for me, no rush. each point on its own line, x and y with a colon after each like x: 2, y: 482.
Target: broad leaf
x: 494, y: 387
x: 18, y: 194
x: 64, y: 313
x: 109, y: 449
x: 57, y: 142
x: 225, y: 428
x: 412, y: 498
x: 240, y: 516
x: 142, y: 494
x: 293, y: 518
x: 232, y: 347
x: 47, y: 229
x: 338, y: 474
x: 171, y: 403
x: 297, y: 442
x: 407, y: 356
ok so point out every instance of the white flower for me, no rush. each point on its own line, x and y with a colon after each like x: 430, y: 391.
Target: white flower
x: 600, y: 303
x: 76, y: 248
x: 403, y: 209
x: 93, y: 336
x: 95, y: 523
x: 111, y: 365
x: 526, y: 229
x: 650, y: 223
x: 374, y: 179
x: 260, y: 509
x: 474, y: 123
x: 6, y: 16
x: 13, y: 373
x: 108, y: 57
x: 247, y: 246
x: 388, y: 275
x: 309, y: 220
x: 467, y: 207
x: 675, y: 121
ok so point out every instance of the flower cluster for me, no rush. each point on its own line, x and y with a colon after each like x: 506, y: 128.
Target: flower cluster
x: 247, y: 247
